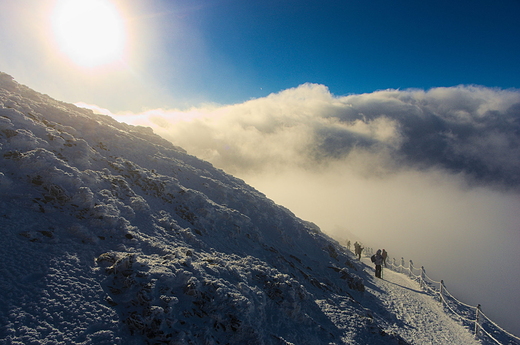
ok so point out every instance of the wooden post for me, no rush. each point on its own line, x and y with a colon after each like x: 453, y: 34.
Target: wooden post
x: 410, y: 269
x: 423, y: 275
x: 477, y: 321
x: 440, y: 291
x: 402, y: 264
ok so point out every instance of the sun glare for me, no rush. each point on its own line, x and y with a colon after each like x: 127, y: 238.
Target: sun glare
x: 90, y: 32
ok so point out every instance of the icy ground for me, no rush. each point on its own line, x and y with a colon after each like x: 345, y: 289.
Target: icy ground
x: 109, y: 234
x: 408, y: 310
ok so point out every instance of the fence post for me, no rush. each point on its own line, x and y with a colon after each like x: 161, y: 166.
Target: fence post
x: 402, y: 264
x: 410, y: 269
x: 477, y: 321
x: 423, y: 275
x: 440, y: 291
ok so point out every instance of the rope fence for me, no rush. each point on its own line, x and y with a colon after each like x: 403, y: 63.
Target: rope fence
x: 470, y: 316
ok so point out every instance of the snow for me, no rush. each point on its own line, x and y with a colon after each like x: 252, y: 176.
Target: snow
x: 112, y: 235
x: 416, y: 314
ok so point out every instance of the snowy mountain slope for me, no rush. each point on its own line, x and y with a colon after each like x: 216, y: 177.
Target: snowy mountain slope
x: 111, y: 235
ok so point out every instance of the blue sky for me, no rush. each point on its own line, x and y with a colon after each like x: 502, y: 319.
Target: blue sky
x: 253, y: 48
x: 360, y: 46
x: 184, y: 53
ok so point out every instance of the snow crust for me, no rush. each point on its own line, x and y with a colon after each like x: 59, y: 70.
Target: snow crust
x: 112, y: 235
x: 412, y: 312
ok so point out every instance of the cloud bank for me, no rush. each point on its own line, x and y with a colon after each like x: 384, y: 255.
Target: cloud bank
x: 472, y: 131
x: 433, y: 176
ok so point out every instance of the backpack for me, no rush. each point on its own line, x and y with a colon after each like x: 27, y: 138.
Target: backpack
x: 373, y: 258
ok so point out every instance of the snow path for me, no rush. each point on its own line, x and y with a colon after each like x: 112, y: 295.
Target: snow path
x: 418, y: 317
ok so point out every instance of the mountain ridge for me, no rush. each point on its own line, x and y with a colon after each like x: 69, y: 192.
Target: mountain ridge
x: 114, y: 235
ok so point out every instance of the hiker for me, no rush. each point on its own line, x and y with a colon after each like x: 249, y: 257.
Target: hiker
x: 384, y: 254
x: 358, y: 249
x: 348, y: 245
x: 377, y: 259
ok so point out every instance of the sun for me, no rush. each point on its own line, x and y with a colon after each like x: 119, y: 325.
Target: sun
x: 90, y: 32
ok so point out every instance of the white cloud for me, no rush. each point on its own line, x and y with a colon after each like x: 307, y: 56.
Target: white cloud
x: 469, y: 130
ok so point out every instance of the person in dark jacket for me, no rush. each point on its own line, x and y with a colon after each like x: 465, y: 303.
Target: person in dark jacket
x: 384, y: 254
x: 378, y: 260
x: 358, y: 250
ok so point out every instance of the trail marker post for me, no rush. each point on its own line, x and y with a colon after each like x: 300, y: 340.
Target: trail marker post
x: 441, y: 286
x: 477, y: 321
x: 423, y: 274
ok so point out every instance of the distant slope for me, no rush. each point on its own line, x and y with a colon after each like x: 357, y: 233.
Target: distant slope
x: 111, y: 235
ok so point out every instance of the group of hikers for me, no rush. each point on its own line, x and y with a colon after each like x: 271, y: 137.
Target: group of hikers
x: 357, y: 249
x: 379, y: 258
